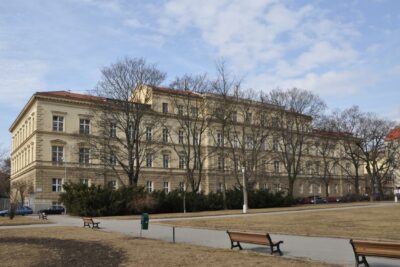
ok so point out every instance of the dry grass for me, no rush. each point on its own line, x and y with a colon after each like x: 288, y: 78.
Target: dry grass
x: 367, y: 223
x: 233, y: 212
x: 20, y: 220
x: 65, y: 246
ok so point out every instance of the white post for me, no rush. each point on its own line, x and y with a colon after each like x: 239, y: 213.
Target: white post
x: 244, y: 193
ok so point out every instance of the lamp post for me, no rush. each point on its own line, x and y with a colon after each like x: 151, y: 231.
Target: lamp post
x: 244, y: 193
x: 65, y: 178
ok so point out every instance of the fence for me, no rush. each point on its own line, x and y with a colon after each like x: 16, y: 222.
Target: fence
x: 4, y: 203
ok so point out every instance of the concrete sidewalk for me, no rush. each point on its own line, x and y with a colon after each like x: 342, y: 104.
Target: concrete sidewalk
x: 330, y: 250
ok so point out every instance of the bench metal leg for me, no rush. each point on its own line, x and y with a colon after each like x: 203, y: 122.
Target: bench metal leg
x: 277, y: 248
x: 86, y: 224
x: 237, y: 245
x: 362, y: 261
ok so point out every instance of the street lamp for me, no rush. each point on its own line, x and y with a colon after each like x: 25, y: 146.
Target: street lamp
x: 65, y: 178
x: 244, y: 193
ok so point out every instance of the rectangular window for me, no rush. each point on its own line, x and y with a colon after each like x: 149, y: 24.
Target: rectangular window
x: 165, y: 135
x: 180, y: 110
x: 235, y: 141
x: 84, y: 126
x: 131, y: 133
x: 265, y: 186
x: 113, y: 130
x: 278, y: 187
x: 301, y: 189
x: 84, y: 155
x: 57, y: 154
x: 220, y: 139
x: 248, y: 117
x: 317, y: 167
x: 195, y: 112
x: 166, y: 187
x: 234, y: 116
x: 149, y: 160
x: 319, y: 189
x: 195, y: 138
x: 166, y: 161
x: 180, y: 136
x: 182, y: 162
x: 165, y: 108
x: 114, y: 184
x: 275, y: 145
x: 220, y: 187
x: 113, y: 159
x: 149, y: 186
x: 220, y: 163
x: 336, y: 188
x: 310, y: 189
x: 58, y: 123
x: 181, y: 186
x: 85, y: 181
x: 276, y: 167
x: 56, y: 184
x: 149, y: 134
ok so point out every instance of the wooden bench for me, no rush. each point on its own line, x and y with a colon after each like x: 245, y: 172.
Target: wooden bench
x: 363, y: 248
x: 90, y: 223
x: 42, y: 216
x: 253, y: 238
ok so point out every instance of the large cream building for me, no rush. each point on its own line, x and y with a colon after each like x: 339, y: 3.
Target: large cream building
x: 49, y: 149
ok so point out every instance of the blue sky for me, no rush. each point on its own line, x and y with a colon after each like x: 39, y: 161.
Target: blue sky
x: 346, y: 51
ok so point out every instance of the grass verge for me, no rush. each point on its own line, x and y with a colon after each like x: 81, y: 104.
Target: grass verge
x: 364, y: 222
x: 20, y: 220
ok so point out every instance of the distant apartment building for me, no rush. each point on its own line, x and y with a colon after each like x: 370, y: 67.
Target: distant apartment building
x: 50, y: 147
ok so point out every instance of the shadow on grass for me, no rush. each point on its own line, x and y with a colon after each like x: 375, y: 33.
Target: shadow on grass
x: 71, y: 252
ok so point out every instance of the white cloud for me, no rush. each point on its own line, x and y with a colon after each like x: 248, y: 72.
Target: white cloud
x: 277, y: 43
x: 19, y: 79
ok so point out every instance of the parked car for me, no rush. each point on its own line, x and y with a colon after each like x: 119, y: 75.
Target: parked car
x: 23, y: 210
x: 334, y: 199
x: 55, y: 209
x: 312, y: 199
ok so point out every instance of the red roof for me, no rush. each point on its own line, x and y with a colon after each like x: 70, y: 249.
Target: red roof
x: 393, y: 135
x: 70, y: 95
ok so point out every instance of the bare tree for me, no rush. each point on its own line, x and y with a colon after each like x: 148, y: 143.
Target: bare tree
x: 223, y: 88
x: 5, y: 175
x: 120, y: 142
x: 293, y: 125
x: 193, y: 120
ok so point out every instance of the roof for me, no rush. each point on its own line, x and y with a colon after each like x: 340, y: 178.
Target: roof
x: 175, y: 91
x: 393, y: 135
x: 331, y: 133
x: 67, y: 94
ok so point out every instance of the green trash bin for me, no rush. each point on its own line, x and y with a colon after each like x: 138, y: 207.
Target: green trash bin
x: 145, y: 221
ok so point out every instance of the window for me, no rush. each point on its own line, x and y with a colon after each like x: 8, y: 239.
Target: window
x: 180, y: 110
x: 56, y: 184
x: 235, y: 141
x: 319, y: 189
x: 248, y: 117
x: 181, y: 186
x: 180, y: 136
x: 249, y: 142
x: 182, y: 162
x: 84, y: 155
x: 195, y: 138
x: 301, y: 188
x: 278, y: 187
x: 349, y: 188
x: 148, y: 133
x: 347, y: 168
x: 220, y: 187
x: 166, y: 187
x: 58, y: 123
x: 309, y: 168
x: 220, y: 163
x: 274, y: 122
x: 166, y: 161
x: 275, y: 145
x: 113, y: 130
x: 276, y: 166
x: 165, y: 135
x: 57, y: 154
x: 310, y: 188
x: 84, y: 126
x: 131, y: 133
x: 149, y: 186
x: 265, y: 186
x: 165, y: 107
x: 114, y: 184
x: 149, y: 160
x: 195, y: 112
x: 220, y: 139
x: 317, y: 167
x: 113, y: 159
x: 84, y: 181
x: 234, y: 116
x: 336, y: 188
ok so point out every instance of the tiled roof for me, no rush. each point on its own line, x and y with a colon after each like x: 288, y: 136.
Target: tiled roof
x: 70, y: 95
x: 393, y: 135
x: 175, y: 91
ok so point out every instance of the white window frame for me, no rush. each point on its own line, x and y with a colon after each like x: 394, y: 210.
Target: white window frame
x: 166, y: 187
x: 58, y: 123
x: 84, y: 126
x: 149, y: 186
x: 56, y: 185
x: 165, y: 161
x: 57, y: 154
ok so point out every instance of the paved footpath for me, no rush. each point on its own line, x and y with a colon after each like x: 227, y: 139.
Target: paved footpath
x: 330, y: 250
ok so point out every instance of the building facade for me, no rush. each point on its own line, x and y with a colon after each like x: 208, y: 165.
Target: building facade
x: 50, y: 146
